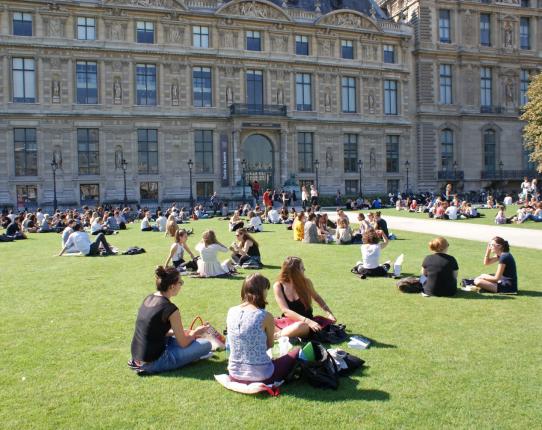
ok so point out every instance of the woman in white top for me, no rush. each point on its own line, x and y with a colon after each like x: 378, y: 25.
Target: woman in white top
x: 370, y: 253
x: 304, y: 197
x: 176, y: 252
x: 343, y: 235
x: 255, y: 222
x: 208, y: 265
x: 236, y: 222
x: 314, y: 196
x: 161, y: 222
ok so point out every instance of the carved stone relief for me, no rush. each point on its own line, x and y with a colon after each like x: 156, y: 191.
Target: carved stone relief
x: 253, y: 9
x: 55, y: 90
x: 228, y: 39
x: 229, y: 96
x: 468, y: 28
x: 508, y: 34
x: 280, y: 96
x: 347, y: 20
x: 371, y: 101
x: 174, y: 33
x: 325, y: 48
x: 509, y: 90
x: 55, y: 27
x: 175, y: 93
x: 329, y: 157
x: 146, y: 3
x: 279, y: 43
x: 117, y: 31
x: 117, y: 91
x: 470, y: 89
x: 327, y: 101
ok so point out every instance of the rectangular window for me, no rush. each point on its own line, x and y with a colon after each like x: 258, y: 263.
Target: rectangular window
x: 88, y: 151
x: 525, y: 3
x: 348, y: 94
x: 254, y: 41
x: 87, y: 82
x: 447, y: 150
x: 26, y: 152
x: 351, y: 187
x: 523, y: 86
x: 446, y: 84
x: 389, y: 54
x: 89, y: 193
x: 146, y: 84
x: 22, y: 24
x: 390, y: 97
x: 350, y: 153
x: 392, y: 154
x: 24, y: 80
x: 145, y: 32
x: 303, y: 91
x: 485, y: 87
x: 444, y: 26
x: 148, y: 191
x: 147, y: 148
x: 86, y: 28
x: 200, y: 36
x: 204, y: 190
x: 347, y: 49
x: 490, y: 150
x: 301, y: 45
x: 485, y: 29
x: 27, y: 195
x: 524, y: 33
x: 254, y: 96
x: 393, y: 186
x: 202, y: 90
x: 305, y: 153
x: 203, y: 144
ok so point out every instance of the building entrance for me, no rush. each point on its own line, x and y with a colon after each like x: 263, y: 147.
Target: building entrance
x: 258, y: 153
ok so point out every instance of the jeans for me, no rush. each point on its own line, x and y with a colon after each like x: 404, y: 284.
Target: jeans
x: 534, y: 218
x: 95, y: 246
x: 175, y: 357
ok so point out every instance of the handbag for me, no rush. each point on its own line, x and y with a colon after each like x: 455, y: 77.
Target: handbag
x: 322, y: 372
x: 218, y: 341
x: 333, y: 333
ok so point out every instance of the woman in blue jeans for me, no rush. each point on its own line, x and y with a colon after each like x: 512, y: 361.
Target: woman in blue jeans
x: 160, y: 343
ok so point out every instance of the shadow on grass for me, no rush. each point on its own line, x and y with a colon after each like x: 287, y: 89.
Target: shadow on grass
x: 480, y: 296
x: 530, y: 293
x: 270, y: 266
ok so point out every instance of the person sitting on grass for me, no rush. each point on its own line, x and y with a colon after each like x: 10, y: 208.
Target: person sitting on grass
x: 161, y: 222
x: 79, y: 241
x: 294, y: 293
x: 160, y: 343
x: 364, y: 226
x: 310, y: 234
x: 176, y: 252
x: 323, y: 230
x: 536, y: 215
x: 505, y: 280
x: 343, y: 236
x: 146, y: 223
x: 245, y: 249
x: 208, y: 265
x: 15, y: 228
x: 501, y: 217
x: 171, y: 226
x: 255, y: 222
x: 440, y: 269
x: 235, y: 221
x: 370, y: 253
x: 45, y: 225
x: 299, y: 226
x: 250, y: 333
x: 273, y: 216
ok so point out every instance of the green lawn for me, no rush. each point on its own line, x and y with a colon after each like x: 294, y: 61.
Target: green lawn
x: 472, y: 361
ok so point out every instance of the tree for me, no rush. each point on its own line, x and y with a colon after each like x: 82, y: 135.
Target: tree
x: 532, y: 132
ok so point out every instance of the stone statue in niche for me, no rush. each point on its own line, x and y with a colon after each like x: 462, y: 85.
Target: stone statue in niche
x: 509, y: 90
x: 175, y: 94
x: 469, y: 87
x: 327, y: 101
x: 117, y: 91
x: 371, y: 101
x: 56, y: 91
x: 118, y: 157
x: 372, y: 159
x: 280, y: 96
x: 57, y: 156
x: 116, y: 31
x: 229, y: 96
x: 175, y: 34
x: 508, y: 34
x: 329, y: 158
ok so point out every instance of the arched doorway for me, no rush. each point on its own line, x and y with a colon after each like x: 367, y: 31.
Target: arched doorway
x: 258, y: 152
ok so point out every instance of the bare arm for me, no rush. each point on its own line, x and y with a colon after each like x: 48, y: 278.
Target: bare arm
x: 318, y: 299
x: 184, y: 338
x: 269, y: 328
x: 488, y: 259
x: 386, y: 241
x: 187, y: 249
x: 171, y: 253
x: 281, y: 301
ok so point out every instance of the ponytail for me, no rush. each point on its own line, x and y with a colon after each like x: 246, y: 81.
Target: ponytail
x: 165, y: 277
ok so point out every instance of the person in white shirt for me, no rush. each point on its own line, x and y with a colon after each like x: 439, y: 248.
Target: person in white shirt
x: 40, y: 216
x: 161, y: 222
x: 146, y: 223
x: 273, y: 216
x: 370, y: 253
x: 304, y: 197
x: 314, y: 196
x: 451, y: 211
x: 79, y: 241
x: 67, y: 231
x: 525, y: 187
x: 507, y: 200
x: 255, y: 222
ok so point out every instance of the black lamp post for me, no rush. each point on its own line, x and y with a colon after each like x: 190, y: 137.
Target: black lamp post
x: 243, y: 178
x: 190, y: 165
x: 501, y: 165
x: 455, y: 171
x: 360, y: 165
x: 54, y: 166
x: 407, y: 165
x: 316, y: 165
x: 124, y: 166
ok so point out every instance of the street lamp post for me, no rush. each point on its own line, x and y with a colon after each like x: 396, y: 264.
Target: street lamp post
x: 455, y: 170
x: 124, y: 166
x: 243, y: 178
x: 360, y: 165
x: 316, y: 165
x: 54, y: 166
x: 501, y: 165
x: 407, y: 165
x: 190, y: 165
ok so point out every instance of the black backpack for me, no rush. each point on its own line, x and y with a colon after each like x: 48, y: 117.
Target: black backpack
x: 134, y: 250
x: 322, y: 372
x: 333, y: 333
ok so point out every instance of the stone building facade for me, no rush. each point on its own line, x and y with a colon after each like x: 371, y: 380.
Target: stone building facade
x: 472, y: 62
x: 106, y: 88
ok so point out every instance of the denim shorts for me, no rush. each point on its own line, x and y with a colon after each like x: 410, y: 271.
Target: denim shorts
x: 506, y: 286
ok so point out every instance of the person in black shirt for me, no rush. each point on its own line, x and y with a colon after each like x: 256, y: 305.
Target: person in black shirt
x: 505, y: 280
x: 440, y: 270
x: 15, y: 229
x: 381, y: 223
x: 160, y: 343
x: 246, y: 249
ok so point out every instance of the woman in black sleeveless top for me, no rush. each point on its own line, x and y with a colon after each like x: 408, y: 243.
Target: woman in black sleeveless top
x: 294, y: 294
x: 246, y: 249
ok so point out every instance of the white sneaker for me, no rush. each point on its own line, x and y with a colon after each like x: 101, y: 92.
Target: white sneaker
x: 206, y: 356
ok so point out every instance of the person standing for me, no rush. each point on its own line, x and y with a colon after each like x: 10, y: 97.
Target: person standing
x: 304, y: 197
x: 314, y: 196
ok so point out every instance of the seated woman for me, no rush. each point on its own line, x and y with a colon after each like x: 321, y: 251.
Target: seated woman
x: 236, y: 222
x: 176, y: 252
x: 501, y: 217
x: 208, y: 265
x: 171, y: 226
x: 299, y: 226
x: 294, y: 294
x: 255, y: 222
x: 357, y: 236
x: 536, y: 215
x: 284, y: 216
x: 323, y: 230
x: 505, y: 280
x: 250, y: 333
x: 310, y: 234
x: 146, y: 223
x: 160, y: 343
x: 440, y: 269
x: 246, y: 249
x: 370, y: 253
x: 413, y: 206
x: 343, y: 236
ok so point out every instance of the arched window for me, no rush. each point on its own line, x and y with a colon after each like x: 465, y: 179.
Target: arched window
x: 447, y: 149
x: 490, y: 150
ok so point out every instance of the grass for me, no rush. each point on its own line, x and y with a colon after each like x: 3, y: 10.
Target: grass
x: 472, y: 361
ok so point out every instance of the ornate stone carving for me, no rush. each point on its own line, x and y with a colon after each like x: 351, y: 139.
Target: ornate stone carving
x: 55, y: 27
x: 327, y: 101
x: 279, y: 43
x: 55, y: 91
x: 56, y: 63
x: 117, y: 66
x: 117, y: 31
x: 468, y: 28
x: 325, y: 48
x: 372, y: 159
x: 253, y: 9
x: 229, y: 96
x: 508, y: 34
x: 329, y: 157
x: 280, y: 96
x: 147, y: 3
x: 117, y: 91
x: 345, y: 19
x: 469, y: 86
x: 174, y: 34
x: 509, y: 90
x: 57, y: 154
x: 118, y: 157
x: 371, y: 101
x: 228, y: 39
x: 175, y: 93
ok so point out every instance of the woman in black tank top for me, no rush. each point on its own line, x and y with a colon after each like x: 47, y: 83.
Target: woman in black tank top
x: 246, y: 249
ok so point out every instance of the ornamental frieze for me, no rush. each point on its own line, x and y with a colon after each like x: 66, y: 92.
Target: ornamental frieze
x: 351, y: 20
x: 253, y: 9
x: 162, y: 4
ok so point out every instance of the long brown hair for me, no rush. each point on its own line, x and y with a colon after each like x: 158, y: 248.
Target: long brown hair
x: 292, y: 272
x: 209, y: 237
x: 244, y: 236
x: 253, y: 290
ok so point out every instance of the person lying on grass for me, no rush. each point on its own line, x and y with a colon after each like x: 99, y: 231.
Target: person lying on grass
x: 505, y: 280
x: 294, y: 294
x: 160, y: 343
x: 79, y: 241
x: 176, y: 252
x: 250, y: 333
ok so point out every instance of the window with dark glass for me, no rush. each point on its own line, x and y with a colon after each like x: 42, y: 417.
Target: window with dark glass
x: 22, y: 24
x: 351, y: 187
x: 445, y: 79
x: 26, y: 152
x: 485, y: 29
x: 390, y: 97
x: 528, y: 164
x: 254, y: 41
x: 392, y: 154
x: 86, y: 28
x: 254, y: 94
x: 389, y: 54
x: 202, y: 89
x: 485, y: 87
x: 147, y: 149
x: 348, y: 86
x: 347, y: 49
x: 200, y: 36
x: 148, y: 191
x: 24, y: 80
x: 27, y: 194
x: 490, y: 150
x: 89, y: 192
x: 350, y: 152
x: 145, y: 32
x: 523, y: 86
x: 203, y: 143
x: 524, y: 33
x: 88, y: 151
x: 393, y: 186
x: 87, y: 82
x: 305, y: 153
x: 447, y: 149
x: 444, y: 26
x: 303, y: 91
x: 146, y: 84
x: 204, y: 189
x: 525, y: 3
x: 301, y: 45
